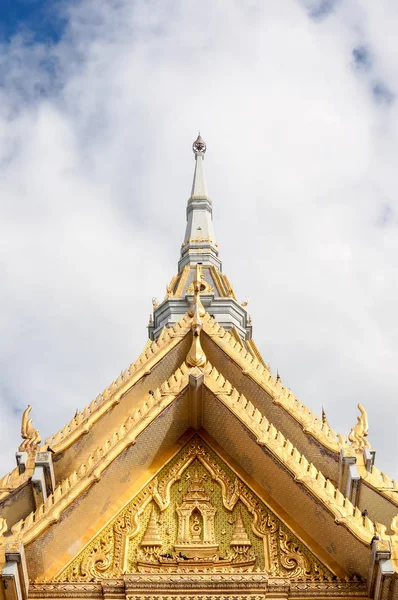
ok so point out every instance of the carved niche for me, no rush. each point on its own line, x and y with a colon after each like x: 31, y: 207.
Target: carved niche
x: 195, y: 516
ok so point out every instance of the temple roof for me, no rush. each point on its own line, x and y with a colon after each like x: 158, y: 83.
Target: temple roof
x: 201, y: 375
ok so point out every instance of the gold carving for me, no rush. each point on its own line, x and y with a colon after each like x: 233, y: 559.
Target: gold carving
x: 394, y: 525
x: 196, y: 535
x: 296, y: 564
x: 207, y: 288
x: 170, y: 287
x: 195, y: 516
x: 198, y: 286
x: 359, y: 432
x: 267, y: 435
x: 31, y: 437
x: 151, y: 542
x: 182, y: 281
x: 240, y: 542
x: 99, y: 561
x: 196, y: 356
x: 90, y: 471
x: 200, y: 586
x: 3, y: 526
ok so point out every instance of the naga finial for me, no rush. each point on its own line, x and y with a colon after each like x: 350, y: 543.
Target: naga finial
x: 31, y: 437
x: 3, y: 526
x: 394, y: 525
x: 199, y: 146
x: 359, y: 432
x: 196, y: 356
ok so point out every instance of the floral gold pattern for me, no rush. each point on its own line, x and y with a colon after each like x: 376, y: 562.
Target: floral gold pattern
x: 196, y: 515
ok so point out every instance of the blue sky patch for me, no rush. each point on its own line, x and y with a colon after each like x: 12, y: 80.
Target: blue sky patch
x: 41, y: 20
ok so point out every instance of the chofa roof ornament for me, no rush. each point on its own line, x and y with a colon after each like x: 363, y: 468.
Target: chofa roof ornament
x: 199, y: 145
x: 359, y: 432
x: 31, y: 437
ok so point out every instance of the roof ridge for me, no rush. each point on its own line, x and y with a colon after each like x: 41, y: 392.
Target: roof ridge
x: 13, y: 480
x: 282, y: 396
x: 256, y: 352
x: 303, y: 471
x: 84, y: 419
x: 380, y: 481
x: 96, y: 462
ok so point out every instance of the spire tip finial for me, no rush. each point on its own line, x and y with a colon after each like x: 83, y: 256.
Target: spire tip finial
x: 199, y: 145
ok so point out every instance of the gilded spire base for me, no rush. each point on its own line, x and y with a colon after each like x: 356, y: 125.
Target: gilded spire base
x: 198, y: 286
x: 196, y: 356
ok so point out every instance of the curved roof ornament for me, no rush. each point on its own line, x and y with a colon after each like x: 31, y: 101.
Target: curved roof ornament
x: 199, y: 146
x: 31, y: 437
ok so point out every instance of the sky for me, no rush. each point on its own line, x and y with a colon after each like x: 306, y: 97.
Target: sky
x: 100, y: 101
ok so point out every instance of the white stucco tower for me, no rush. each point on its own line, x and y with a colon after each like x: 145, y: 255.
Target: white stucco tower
x: 199, y: 247
x: 199, y: 244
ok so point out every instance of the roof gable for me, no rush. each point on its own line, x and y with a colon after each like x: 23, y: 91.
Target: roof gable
x: 153, y: 352
x: 254, y: 368
x: 262, y: 434
x: 209, y: 400
x: 240, y: 530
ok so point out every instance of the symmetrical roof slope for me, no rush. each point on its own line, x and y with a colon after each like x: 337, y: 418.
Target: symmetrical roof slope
x: 85, y: 508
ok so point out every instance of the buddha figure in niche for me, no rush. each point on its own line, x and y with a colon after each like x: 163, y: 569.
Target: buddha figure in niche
x: 196, y: 526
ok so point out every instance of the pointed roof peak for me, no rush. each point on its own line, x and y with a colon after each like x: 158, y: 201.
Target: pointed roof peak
x: 199, y: 188
x: 199, y: 146
x: 199, y: 244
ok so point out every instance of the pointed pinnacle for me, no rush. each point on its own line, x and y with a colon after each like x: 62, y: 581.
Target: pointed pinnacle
x: 199, y: 145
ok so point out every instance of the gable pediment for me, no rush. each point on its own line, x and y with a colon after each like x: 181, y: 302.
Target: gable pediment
x: 205, y: 401
x: 195, y: 515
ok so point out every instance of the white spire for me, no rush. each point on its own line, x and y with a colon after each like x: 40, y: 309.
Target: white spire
x: 199, y: 244
x: 199, y: 187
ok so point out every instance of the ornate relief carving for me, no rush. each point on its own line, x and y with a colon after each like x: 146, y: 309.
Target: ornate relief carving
x: 100, y: 559
x: 196, y: 356
x: 242, y: 586
x: 196, y: 516
x: 293, y: 560
x: 207, y: 288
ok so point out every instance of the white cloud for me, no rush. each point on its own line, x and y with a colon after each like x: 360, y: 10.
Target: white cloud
x: 95, y: 135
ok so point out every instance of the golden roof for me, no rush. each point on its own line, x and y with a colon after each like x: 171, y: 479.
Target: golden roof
x: 198, y: 446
